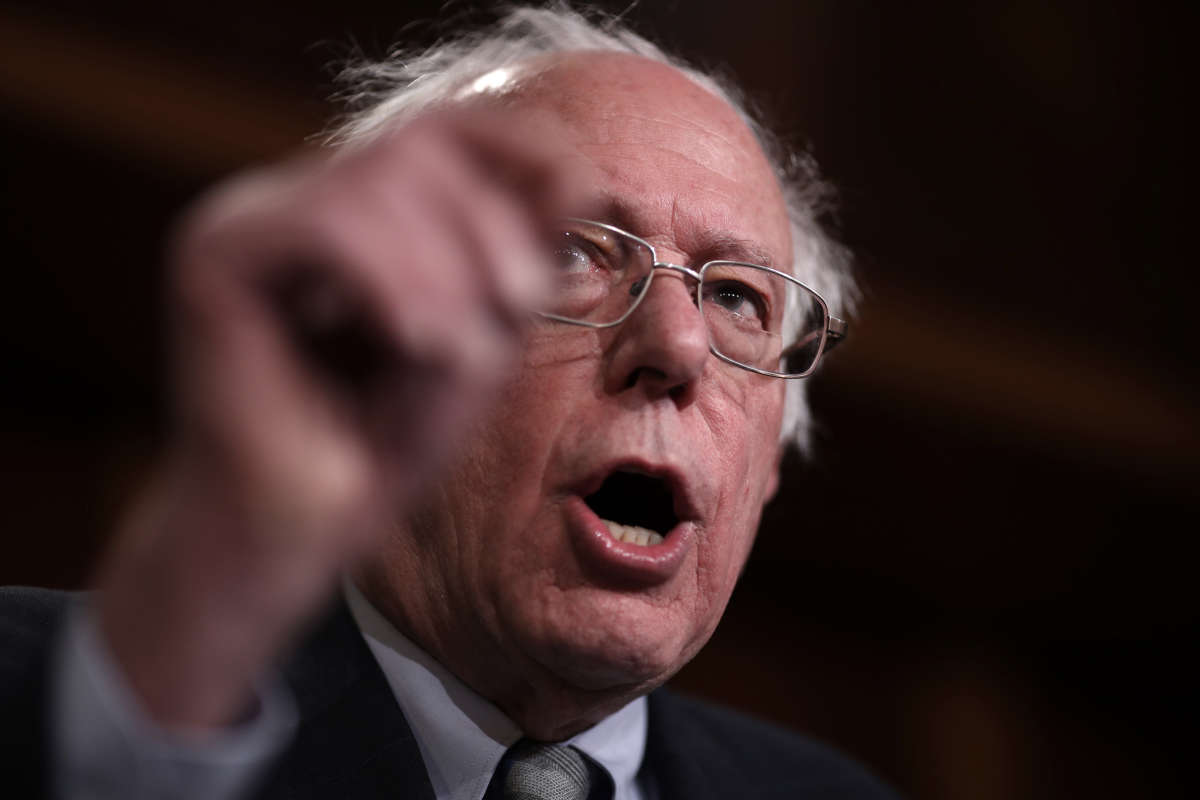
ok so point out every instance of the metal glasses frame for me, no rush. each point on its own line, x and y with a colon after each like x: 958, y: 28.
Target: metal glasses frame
x: 832, y: 333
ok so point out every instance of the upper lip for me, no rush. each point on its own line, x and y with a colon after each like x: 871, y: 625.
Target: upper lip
x: 683, y: 495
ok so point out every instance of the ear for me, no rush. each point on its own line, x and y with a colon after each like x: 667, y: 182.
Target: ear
x: 773, y: 476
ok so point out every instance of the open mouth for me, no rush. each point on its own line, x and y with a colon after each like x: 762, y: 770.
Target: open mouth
x: 635, y: 507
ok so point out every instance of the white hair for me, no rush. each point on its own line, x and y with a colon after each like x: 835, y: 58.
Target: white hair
x: 407, y: 83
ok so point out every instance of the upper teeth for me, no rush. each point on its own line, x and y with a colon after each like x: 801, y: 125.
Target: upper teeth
x: 632, y: 534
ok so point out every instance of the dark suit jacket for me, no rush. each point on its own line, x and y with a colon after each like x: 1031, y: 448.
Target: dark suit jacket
x: 353, y: 740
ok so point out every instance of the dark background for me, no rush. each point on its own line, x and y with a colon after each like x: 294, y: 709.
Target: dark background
x: 981, y: 585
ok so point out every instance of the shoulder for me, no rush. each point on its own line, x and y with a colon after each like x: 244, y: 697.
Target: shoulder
x: 28, y: 620
x: 28, y: 607
x: 719, y: 751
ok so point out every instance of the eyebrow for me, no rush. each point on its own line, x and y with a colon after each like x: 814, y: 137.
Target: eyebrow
x: 715, y: 245
x: 737, y: 248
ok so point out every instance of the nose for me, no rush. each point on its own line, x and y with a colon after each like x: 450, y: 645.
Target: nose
x: 662, y: 347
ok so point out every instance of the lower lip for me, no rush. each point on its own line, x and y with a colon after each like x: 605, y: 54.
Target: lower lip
x: 622, y: 561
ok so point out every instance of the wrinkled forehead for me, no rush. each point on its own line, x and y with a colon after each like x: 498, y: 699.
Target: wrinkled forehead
x: 667, y: 146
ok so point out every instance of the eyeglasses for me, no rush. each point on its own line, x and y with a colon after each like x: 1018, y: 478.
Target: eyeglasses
x: 757, y: 318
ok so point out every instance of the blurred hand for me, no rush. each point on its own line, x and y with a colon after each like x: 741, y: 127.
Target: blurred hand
x: 337, y: 323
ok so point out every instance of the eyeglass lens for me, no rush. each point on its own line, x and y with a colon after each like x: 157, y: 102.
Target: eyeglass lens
x: 754, y: 317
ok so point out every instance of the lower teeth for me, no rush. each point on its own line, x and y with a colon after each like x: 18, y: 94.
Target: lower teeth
x: 632, y: 534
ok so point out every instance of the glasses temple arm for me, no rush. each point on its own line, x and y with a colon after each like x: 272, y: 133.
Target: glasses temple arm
x: 836, y: 332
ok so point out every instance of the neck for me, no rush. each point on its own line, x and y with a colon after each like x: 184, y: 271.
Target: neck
x: 541, y: 703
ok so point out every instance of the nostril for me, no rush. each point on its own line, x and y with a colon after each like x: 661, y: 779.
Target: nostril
x: 645, y: 373
x: 681, y: 391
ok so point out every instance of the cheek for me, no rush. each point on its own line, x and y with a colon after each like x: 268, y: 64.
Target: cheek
x: 744, y: 413
x: 535, y: 405
x: 508, y: 464
x: 747, y: 422
x: 552, y: 345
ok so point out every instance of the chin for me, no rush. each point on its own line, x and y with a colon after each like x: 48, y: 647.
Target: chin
x: 622, y: 645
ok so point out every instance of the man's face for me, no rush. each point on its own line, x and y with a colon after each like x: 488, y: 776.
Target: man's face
x: 511, y: 564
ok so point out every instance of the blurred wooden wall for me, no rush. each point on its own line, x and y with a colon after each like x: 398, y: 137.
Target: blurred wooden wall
x: 980, y: 584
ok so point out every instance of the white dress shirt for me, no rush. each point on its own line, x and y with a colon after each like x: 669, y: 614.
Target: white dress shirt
x: 462, y: 736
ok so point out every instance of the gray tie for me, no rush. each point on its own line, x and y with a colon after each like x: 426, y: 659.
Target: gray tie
x: 538, y: 771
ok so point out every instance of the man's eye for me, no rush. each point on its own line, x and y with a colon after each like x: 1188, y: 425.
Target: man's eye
x: 736, y: 298
x: 575, y: 253
x: 572, y: 259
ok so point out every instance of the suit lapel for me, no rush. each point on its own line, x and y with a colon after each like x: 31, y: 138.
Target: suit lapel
x: 681, y: 765
x: 353, y: 740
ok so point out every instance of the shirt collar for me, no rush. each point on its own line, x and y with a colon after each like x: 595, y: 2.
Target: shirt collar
x: 461, y: 735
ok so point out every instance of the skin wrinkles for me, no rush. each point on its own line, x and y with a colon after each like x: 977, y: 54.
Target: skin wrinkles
x: 551, y: 343
x: 710, y: 242
x: 627, y: 136
x: 710, y: 195
x: 701, y: 225
x: 486, y: 578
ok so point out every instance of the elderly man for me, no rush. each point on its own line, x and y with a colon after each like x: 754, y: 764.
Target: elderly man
x: 507, y: 374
